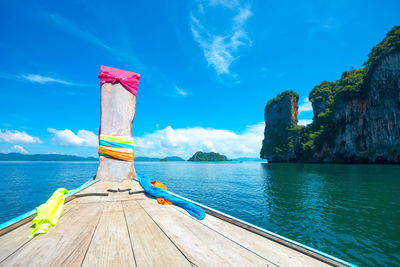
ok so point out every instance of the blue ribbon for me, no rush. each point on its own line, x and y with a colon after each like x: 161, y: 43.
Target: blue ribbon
x: 192, y: 209
x: 114, y: 144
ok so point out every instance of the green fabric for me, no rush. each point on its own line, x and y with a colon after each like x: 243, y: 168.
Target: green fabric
x: 49, y: 212
x: 117, y: 138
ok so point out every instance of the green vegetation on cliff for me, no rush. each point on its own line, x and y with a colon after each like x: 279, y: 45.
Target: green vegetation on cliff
x: 390, y: 44
x: 282, y: 138
x: 322, y: 96
x: 281, y: 130
x: 350, y: 85
x: 328, y: 96
x: 279, y: 97
x: 325, y: 99
x: 354, y: 82
x: 203, y: 156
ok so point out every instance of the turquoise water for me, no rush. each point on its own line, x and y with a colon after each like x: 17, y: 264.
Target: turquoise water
x: 349, y: 211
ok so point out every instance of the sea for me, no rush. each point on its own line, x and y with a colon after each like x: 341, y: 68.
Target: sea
x: 349, y: 211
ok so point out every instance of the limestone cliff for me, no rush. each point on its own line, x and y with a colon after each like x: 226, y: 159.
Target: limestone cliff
x: 356, y: 119
x: 369, y: 126
x: 280, y: 118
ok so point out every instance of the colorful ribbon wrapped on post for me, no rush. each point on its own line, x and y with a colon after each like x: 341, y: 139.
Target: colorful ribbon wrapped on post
x: 116, y: 146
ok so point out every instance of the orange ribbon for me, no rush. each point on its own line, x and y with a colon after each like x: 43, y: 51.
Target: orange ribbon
x: 117, y: 152
x: 161, y: 200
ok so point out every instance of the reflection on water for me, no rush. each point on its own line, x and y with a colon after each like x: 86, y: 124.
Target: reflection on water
x: 25, y: 185
x: 349, y: 211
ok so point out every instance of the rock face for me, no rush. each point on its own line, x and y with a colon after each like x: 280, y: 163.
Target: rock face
x: 280, y: 118
x: 369, y: 126
x: 356, y: 119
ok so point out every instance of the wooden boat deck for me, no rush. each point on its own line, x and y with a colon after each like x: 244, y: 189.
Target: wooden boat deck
x: 132, y: 229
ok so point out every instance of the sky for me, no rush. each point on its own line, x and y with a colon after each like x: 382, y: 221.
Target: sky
x: 207, y: 68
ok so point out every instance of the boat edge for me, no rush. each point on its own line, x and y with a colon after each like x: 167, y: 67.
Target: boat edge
x: 24, y: 218
x: 309, y: 251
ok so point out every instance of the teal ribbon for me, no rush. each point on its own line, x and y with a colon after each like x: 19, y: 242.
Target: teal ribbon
x: 115, y: 144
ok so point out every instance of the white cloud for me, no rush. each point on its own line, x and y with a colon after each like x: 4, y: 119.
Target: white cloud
x: 304, y: 122
x: 17, y: 137
x: 220, y: 50
x: 36, y: 78
x: 184, y: 142
x: 180, y: 91
x: 18, y: 149
x: 306, y: 106
x: 68, y: 138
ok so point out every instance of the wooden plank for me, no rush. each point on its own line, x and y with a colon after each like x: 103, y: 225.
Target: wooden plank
x: 13, y: 240
x: 201, y: 245
x: 279, y: 241
x: 275, y: 252
x: 150, y: 245
x: 65, y: 244
x: 104, y: 186
x: 110, y: 245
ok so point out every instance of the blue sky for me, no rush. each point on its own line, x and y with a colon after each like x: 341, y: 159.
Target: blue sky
x: 207, y: 67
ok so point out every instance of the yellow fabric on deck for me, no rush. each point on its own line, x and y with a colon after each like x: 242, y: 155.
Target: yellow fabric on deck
x: 49, y: 212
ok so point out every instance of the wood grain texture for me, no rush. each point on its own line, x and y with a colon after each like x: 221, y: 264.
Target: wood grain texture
x: 63, y: 245
x: 273, y: 251
x: 16, y: 225
x: 117, y: 113
x: 110, y: 245
x: 201, y: 245
x: 128, y: 230
x: 18, y: 237
x: 104, y: 186
x: 151, y: 246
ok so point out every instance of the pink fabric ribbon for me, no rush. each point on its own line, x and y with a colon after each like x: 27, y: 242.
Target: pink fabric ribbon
x: 129, y: 80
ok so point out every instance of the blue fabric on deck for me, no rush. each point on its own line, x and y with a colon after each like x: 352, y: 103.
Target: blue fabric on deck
x: 192, y: 209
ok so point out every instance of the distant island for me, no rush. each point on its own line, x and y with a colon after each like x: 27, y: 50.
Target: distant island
x: 356, y: 118
x: 199, y: 156
x: 43, y: 157
x: 174, y: 158
x: 211, y: 156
